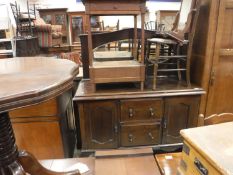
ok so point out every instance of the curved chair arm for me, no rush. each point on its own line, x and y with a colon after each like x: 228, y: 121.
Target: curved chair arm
x: 33, y: 167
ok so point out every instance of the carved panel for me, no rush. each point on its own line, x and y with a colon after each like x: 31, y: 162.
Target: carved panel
x: 102, y: 119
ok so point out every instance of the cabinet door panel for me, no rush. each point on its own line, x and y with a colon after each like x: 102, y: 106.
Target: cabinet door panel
x: 102, y: 124
x: 43, y: 138
x: 180, y: 113
x: 220, y: 93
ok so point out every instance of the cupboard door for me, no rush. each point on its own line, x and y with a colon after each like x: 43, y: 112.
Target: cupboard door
x: 42, y: 138
x: 180, y: 113
x: 101, y: 125
x: 220, y: 93
x: 29, y: 122
x: 77, y: 28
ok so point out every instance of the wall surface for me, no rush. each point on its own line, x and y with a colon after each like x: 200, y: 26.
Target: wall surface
x: 6, y: 15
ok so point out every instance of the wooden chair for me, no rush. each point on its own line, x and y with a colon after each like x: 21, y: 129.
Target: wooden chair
x: 24, y: 20
x: 177, y: 57
x: 112, y: 45
x: 154, y: 26
x: 215, y: 119
x: 98, y: 26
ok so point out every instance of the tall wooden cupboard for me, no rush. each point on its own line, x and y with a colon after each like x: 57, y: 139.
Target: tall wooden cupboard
x: 212, y: 56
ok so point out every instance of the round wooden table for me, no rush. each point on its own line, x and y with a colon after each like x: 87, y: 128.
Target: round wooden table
x: 23, y: 82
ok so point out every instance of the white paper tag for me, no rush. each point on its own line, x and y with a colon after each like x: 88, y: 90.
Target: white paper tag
x: 168, y: 157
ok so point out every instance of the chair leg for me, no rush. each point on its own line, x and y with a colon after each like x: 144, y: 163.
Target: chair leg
x: 142, y: 85
x: 155, y: 76
x: 188, y: 71
x: 188, y: 76
x: 178, y: 72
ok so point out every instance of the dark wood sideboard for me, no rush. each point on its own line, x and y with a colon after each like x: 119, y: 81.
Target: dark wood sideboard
x: 112, y: 118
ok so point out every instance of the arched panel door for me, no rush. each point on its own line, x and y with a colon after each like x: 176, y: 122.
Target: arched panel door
x: 102, y: 124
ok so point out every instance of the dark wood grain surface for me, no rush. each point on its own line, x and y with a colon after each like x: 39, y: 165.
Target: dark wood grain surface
x: 127, y: 91
x: 30, y: 80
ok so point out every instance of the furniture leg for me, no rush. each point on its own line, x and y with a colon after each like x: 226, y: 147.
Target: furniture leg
x: 13, y: 162
x: 188, y: 72
x: 155, y: 76
x: 142, y: 85
x: 178, y: 72
x: 8, y: 149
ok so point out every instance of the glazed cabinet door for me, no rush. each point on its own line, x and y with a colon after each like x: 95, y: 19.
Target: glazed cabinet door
x: 98, y: 124
x: 180, y: 113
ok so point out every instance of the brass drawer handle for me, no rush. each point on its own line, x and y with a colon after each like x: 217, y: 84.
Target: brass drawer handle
x: 130, y: 137
x: 152, y: 112
x: 151, y: 136
x: 130, y: 112
x: 202, y: 170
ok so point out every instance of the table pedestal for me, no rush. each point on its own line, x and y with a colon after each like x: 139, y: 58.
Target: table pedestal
x: 14, y: 162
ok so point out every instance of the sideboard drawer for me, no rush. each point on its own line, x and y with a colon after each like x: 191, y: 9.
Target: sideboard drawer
x: 140, y: 134
x: 141, y: 109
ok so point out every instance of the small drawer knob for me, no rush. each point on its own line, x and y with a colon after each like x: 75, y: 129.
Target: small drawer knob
x: 130, y: 112
x: 130, y: 137
x: 151, y: 136
x: 152, y: 112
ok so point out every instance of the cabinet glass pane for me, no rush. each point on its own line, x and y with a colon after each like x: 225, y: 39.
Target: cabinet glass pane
x: 60, y: 19
x: 47, y: 19
x: 77, y: 28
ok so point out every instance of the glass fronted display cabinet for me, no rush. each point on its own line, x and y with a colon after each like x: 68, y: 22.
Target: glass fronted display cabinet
x: 77, y: 25
x: 56, y: 16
